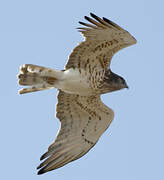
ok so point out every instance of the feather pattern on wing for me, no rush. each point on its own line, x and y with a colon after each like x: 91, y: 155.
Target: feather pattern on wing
x: 83, y: 120
x: 103, y: 38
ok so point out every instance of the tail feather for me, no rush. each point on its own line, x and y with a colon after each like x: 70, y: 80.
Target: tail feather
x: 39, y: 78
x: 33, y: 89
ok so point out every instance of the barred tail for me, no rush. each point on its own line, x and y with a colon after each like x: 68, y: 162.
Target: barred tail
x: 37, y: 77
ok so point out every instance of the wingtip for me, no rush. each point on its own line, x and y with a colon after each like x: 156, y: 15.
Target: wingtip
x: 38, y: 167
x: 44, y: 156
x: 41, y: 172
x: 93, y: 15
x: 81, y: 23
x: 106, y: 20
x: 87, y: 18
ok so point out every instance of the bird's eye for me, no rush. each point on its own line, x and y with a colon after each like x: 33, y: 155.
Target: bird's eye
x: 122, y: 80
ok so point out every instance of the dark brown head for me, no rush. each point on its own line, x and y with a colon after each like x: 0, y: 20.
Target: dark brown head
x: 113, y: 82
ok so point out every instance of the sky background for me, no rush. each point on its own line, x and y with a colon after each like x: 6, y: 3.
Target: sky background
x: 43, y: 33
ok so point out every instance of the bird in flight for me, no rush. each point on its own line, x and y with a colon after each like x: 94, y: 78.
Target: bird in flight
x: 87, y: 75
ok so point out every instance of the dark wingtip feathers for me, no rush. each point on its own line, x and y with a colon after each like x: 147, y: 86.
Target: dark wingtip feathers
x: 82, y: 23
x: 94, y: 16
x: 38, y: 167
x: 99, y: 21
x: 41, y: 172
x: 107, y: 20
x: 111, y: 23
x: 87, y: 18
x: 44, y: 156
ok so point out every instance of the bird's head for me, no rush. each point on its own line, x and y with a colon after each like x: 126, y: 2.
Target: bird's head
x: 114, y: 82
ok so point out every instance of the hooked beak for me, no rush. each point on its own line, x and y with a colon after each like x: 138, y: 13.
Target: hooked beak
x: 126, y: 86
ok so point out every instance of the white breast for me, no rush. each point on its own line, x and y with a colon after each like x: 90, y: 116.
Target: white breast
x: 74, y: 82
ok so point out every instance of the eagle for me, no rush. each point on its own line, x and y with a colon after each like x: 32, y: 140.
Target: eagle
x: 87, y: 74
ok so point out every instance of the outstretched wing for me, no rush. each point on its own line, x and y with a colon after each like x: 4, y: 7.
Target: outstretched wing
x: 103, y: 38
x: 83, y: 120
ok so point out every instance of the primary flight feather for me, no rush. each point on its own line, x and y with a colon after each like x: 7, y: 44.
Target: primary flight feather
x: 86, y: 76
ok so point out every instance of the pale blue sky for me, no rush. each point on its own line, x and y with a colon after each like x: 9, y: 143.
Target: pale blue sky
x: 43, y: 32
